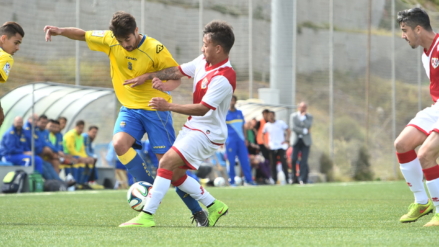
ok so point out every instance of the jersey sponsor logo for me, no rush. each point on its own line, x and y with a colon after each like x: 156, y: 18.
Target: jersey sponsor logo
x: 204, y: 83
x: 434, y: 62
x: 7, y: 68
x: 159, y: 48
x: 131, y: 58
x: 159, y: 147
x: 130, y: 66
x: 98, y: 33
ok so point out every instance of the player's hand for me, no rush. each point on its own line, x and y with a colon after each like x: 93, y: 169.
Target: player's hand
x: 51, y: 31
x: 135, y: 81
x: 158, y: 84
x: 2, y: 116
x: 159, y: 104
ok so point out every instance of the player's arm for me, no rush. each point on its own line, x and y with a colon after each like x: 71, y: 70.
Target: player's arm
x: 161, y: 104
x: 171, y: 73
x: 165, y: 86
x: 69, y: 32
x: 2, y: 115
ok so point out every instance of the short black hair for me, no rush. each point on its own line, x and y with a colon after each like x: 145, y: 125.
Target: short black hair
x: 54, y: 121
x: 221, y: 33
x: 265, y: 111
x: 62, y: 118
x: 122, y: 24
x: 43, y: 117
x: 415, y: 17
x: 93, y: 127
x: 80, y: 122
x: 11, y: 28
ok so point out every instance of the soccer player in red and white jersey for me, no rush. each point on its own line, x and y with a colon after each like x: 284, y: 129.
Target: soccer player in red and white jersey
x: 423, y: 130
x: 204, y: 131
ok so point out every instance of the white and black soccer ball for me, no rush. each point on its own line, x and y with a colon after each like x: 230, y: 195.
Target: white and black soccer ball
x: 137, y: 195
x: 219, y: 182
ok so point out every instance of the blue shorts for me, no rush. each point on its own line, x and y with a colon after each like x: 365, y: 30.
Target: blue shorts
x: 157, y: 124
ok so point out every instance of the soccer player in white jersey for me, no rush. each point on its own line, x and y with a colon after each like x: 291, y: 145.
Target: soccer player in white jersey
x: 423, y: 130
x: 11, y: 35
x: 204, y: 131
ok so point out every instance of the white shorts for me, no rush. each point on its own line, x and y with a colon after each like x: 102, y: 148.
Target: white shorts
x: 194, y: 148
x: 427, y: 120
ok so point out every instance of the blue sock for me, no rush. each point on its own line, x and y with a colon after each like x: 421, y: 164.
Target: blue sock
x: 136, y: 166
x: 190, y: 202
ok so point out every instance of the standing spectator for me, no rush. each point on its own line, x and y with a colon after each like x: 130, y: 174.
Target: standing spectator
x: 73, y: 143
x: 91, y: 171
x: 300, y: 123
x: 15, y: 149
x: 277, y: 143
x: 260, y: 135
x: 235, y: 143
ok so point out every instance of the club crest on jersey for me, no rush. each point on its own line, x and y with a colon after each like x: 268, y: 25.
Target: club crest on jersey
x: 434, y: 62
x: 130, y: 66
x: 122, y: 124
x: 204, y: 83
x: 7, y: 68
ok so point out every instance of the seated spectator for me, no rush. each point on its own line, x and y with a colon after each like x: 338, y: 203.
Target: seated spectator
x: 91, y: 173
x: 42, y: 146
x: 73, y: 143
x: 14, y: 147
x: 62, y: 123
x: 30, y: 120
x: 54, y: 140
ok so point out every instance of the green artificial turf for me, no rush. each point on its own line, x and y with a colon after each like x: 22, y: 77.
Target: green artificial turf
x: 338, y: 214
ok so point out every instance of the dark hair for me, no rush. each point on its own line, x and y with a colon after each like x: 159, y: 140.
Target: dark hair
x: 62, y: 118
x: 265, y: 111
x: 54, y: 121
x: 414, y: 17
x: 11, y: 28
x: 80, y: 122
x: 42, y: 117
x: 93, y: 127
x: 221, y: 33
x: 234, y: 97
x: 122, y: 24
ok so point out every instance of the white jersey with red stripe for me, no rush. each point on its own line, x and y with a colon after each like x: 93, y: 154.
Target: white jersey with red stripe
x: 213, y: 87
x: 430, y: 60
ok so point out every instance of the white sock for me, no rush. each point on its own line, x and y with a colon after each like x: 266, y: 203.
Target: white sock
x: 413, y: 175
x: 433, y: 188
x: 196, y: 191
x: 156, y: 194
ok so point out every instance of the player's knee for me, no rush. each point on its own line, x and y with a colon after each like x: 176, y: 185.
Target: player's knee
x: 120, y: 146
x: 402, y: 146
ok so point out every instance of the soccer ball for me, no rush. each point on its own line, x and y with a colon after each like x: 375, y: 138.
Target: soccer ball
x: 219, y: 182
x: 137, y: 195
x: 238, y: 180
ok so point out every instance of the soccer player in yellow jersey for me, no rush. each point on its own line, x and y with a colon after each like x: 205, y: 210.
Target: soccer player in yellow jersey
x: 132, y: 54
x: 11, y: 35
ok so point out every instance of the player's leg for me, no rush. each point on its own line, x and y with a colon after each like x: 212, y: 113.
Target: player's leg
x: 427, y: 154
x: 231, y: 151
x: 283, y: 161
x: 304, y: 168
x: 128, y: 131
x: 159, y: 127
x: 405, y: 145
x: 244, y: 161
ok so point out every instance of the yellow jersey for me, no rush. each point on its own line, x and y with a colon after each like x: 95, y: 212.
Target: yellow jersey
x: 6, y: 62
x: 150, y: 56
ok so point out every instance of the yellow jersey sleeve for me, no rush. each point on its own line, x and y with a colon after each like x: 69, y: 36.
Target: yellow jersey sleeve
x: 6, y: 62
x: 163, y: 58
x: 100, y: 40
